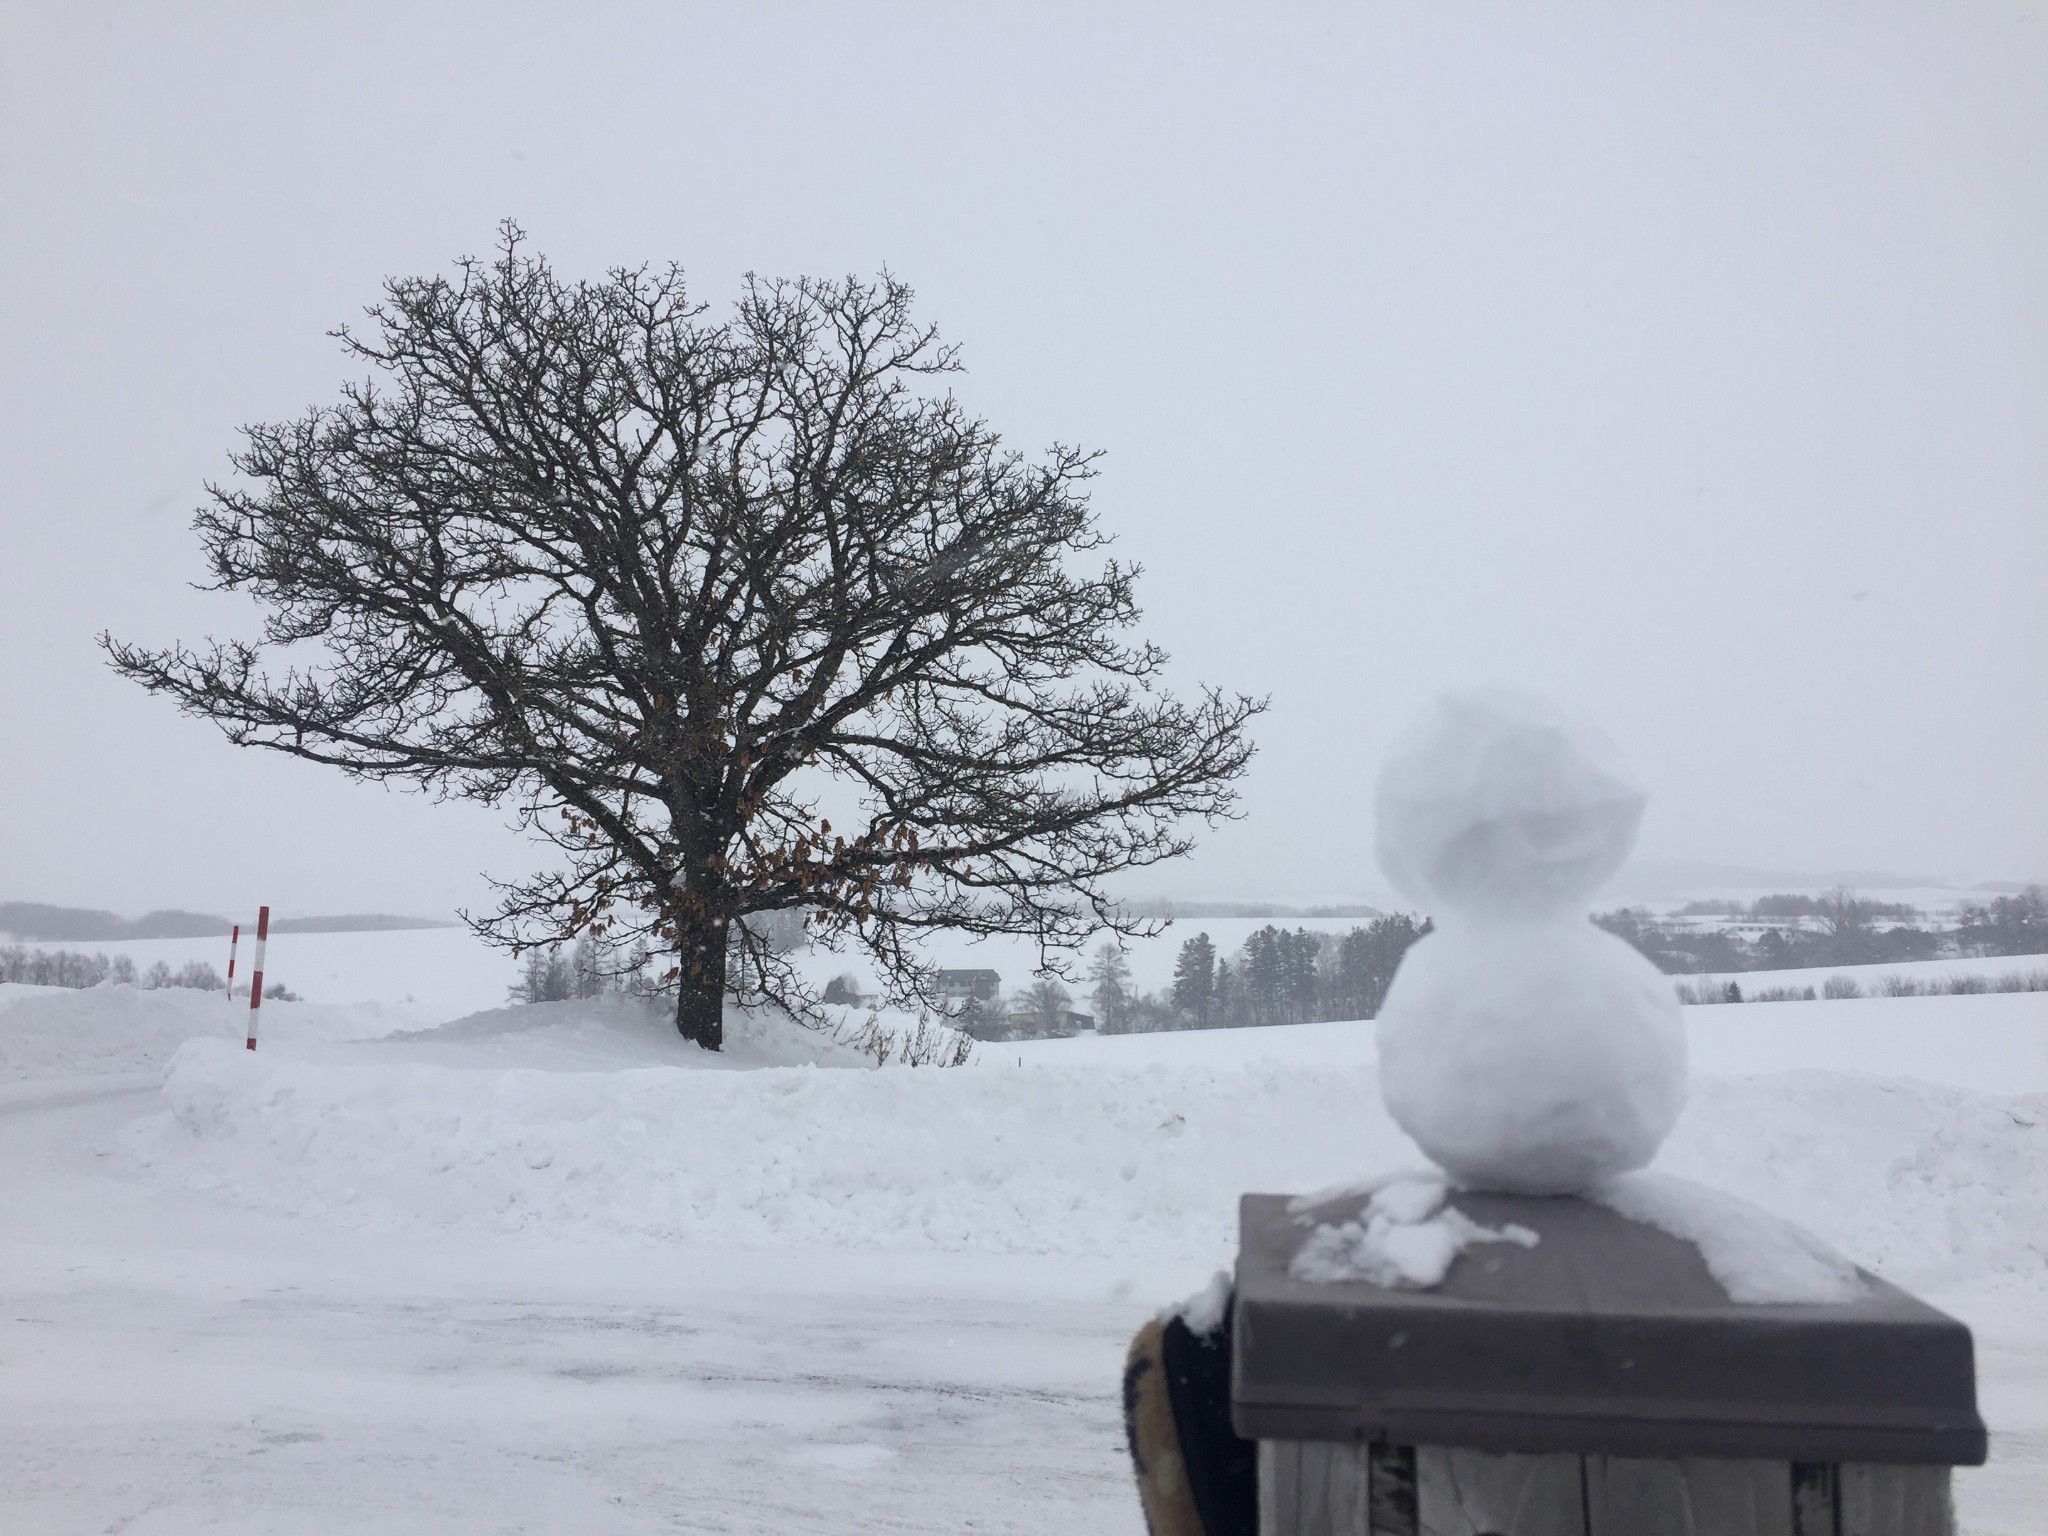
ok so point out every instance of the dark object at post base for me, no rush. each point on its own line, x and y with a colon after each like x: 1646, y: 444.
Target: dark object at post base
x: 1196, y: 1476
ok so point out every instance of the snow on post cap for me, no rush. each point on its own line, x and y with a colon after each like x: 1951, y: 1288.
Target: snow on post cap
x: 1499, y: 803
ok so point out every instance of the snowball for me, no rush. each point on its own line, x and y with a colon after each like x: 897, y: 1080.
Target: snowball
x: 1405, y: 1238
x: 1534, y: 1058
x: 1495, y: 802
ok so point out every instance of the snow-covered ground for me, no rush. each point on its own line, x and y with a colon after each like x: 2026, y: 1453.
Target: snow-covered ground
x: 538, y: 1270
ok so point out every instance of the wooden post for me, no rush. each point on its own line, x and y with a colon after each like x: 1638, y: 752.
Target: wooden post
x: 1347, y: 1488
x: 1600, y: 1383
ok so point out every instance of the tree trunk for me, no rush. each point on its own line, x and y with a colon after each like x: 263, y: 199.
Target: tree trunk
x: 700, y: 990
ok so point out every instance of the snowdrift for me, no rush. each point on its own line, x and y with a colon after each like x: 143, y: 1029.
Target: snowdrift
x: 57, y: 1032
x: 1928, y: 1185
x: 604, y: 1034
x: 48, y: 1032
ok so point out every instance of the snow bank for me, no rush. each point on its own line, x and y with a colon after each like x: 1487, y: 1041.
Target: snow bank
x: 59, y: 1032
x: 1926, y: 1185
x: 600, y: 1034
x: 1049, y: 1160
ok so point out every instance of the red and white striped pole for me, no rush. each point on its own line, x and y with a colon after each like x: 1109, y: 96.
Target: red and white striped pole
x: 234, y: 943
x: 256, y: 971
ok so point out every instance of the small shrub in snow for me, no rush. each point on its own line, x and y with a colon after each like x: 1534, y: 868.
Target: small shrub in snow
x: 68, y: 968
x: 1707, y: 990
x: 924, y: 1044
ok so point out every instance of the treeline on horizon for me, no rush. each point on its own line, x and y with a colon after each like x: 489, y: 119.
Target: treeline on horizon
x: 1838, y: 928
x: 1282, y: 977
x: 1304, y: 976
x: 1274, y: 977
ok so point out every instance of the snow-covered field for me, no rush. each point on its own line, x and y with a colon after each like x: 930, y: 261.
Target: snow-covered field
x: 443, y: 973
x: 1866, y: 976
x: 538, y: 1270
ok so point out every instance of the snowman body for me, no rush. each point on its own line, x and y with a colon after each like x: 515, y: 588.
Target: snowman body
x: 1521, y: 1047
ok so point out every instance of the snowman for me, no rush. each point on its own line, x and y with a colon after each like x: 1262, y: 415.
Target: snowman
x: 1524, y: 1049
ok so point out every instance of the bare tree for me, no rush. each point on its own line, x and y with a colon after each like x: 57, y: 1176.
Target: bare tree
x: 1047, y: 999
x: 1109, y: 978
x: 665, y: 585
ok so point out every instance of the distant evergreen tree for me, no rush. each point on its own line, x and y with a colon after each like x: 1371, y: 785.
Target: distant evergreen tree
x: 1194, y: 980
x: 2008, y: 925
x: 546, y: 977
x: 1363, y: 965
x: 1299, y: 984
x: 1264, y: 967
x: 1227, y: 1007
x: 590, y: 972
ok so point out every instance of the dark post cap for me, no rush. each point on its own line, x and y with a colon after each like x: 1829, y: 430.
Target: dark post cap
x: 1607, y: 1337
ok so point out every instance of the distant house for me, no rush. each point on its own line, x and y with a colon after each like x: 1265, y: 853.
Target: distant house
x: 960, y: 986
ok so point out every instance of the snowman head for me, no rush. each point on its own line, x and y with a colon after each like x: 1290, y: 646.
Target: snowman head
x: 1498, y: 804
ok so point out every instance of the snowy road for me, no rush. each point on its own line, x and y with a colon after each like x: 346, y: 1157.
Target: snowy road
x: 172, y: 1369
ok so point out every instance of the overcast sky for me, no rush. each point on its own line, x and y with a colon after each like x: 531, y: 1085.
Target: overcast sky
x: 1690, y: 364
